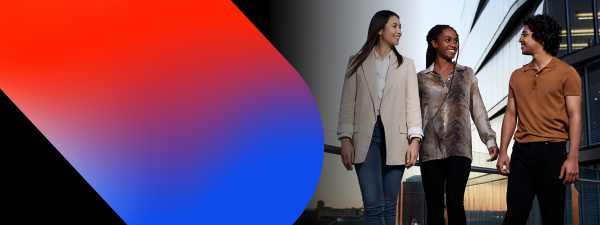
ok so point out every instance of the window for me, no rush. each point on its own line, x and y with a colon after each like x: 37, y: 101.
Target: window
x: 584, y: 128
x: 598, y: 19
x: 593, y: 98
x: 581, y: 18
x: 556, y: 9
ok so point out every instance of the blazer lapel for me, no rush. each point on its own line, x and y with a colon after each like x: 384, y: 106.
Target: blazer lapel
x: 393, y: 73
x: 370, y: 72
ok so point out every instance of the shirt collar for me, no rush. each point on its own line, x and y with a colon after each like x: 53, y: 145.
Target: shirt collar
x: 377, y: 55
x: 458, y: 68
x: 551, y: 65
x: 430, y: 68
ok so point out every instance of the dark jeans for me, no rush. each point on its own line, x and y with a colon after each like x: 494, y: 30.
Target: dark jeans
x: 454, y: 173
x: 534, y: 170
x: 379, y: 183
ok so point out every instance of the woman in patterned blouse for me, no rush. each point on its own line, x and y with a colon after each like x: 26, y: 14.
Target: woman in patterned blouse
x: 449, y: 96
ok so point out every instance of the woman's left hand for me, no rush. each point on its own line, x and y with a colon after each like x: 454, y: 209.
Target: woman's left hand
x: 493, y: 154
x: 412, y: 153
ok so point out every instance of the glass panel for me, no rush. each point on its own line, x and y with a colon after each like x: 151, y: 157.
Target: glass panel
x: 594, y: 101
x: 556, y: 9
x: 589, y: 199
x: 568, y: 206
x: 485, y: 198
x: 413, y: 201
x: 582, y: 24
x: 535, y: 216
x: 485, y: 194
x: 584, y: 128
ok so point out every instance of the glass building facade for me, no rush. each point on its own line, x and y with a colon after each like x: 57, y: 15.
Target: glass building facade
x: 489, y: 36
x: 492, y: 49
x: 580, y: 19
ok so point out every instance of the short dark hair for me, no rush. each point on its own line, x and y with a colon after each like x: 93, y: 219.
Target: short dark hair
x: 545, y: 29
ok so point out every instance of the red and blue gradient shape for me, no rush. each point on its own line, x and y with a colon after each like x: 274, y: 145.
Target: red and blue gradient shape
x: 175, y: 112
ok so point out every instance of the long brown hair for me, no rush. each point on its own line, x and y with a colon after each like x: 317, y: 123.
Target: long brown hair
x: 378, y: 22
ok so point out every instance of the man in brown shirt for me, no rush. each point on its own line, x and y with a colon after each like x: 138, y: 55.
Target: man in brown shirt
x: 545, y: 96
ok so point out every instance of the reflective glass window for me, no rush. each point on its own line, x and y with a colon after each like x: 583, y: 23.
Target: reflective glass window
x: 594, y: 101
x: 584, y: 128
x: 556, y: 9
x: 581, y: 17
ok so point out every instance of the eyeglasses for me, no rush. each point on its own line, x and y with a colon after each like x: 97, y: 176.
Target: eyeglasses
x: 525, y: 34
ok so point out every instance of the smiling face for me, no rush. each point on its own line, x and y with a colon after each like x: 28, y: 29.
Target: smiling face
x: 390, y: 34
x: 446, y: 44
x: 528, y: 45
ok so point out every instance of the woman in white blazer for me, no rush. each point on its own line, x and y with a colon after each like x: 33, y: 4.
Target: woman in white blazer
x: 379, y: 123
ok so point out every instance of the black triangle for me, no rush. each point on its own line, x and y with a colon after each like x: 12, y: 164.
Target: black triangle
x: 41, y: 186
x: 278, y: 22
x: 257, y: 12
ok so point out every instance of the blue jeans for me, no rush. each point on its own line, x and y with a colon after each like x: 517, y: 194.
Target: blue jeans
x: 379, y: 183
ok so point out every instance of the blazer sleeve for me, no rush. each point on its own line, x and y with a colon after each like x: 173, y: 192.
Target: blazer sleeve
x: 479, y: 114
x: 346, y: 116
x: 413, y: 106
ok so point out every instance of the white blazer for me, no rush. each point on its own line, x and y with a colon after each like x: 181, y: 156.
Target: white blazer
x: 399, y: 109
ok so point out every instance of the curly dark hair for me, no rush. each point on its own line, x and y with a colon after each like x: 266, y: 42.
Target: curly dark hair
x: 545, y: 30
x: 433, y: 35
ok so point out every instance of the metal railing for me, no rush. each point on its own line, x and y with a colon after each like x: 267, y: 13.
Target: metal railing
x: 337, y: 150
x: 574, y: 194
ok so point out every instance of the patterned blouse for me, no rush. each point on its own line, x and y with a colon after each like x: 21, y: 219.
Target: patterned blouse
x: 449, y: 132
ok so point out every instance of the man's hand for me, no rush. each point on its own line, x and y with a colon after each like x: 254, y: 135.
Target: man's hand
x: 412, y: 153
x: 347, y: 153
x: 571, y: 171
x: 570, y: 167
x: 503, y: 161
x: 508, y: 129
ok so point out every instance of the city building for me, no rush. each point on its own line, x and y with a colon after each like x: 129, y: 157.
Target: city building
x: 329, y: 214
x: 320, y: 204
x: 412, y: 207
x: 489, y: 31
x: 488, y: 34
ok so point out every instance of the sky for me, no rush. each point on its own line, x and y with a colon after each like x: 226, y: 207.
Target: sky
x: 343, y: 36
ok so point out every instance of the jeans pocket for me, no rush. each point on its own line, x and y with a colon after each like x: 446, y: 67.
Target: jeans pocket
x: 558, y: 148
x: 516, y: 146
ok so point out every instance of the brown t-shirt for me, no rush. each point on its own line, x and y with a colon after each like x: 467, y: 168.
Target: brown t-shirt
x: 540, y: 100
